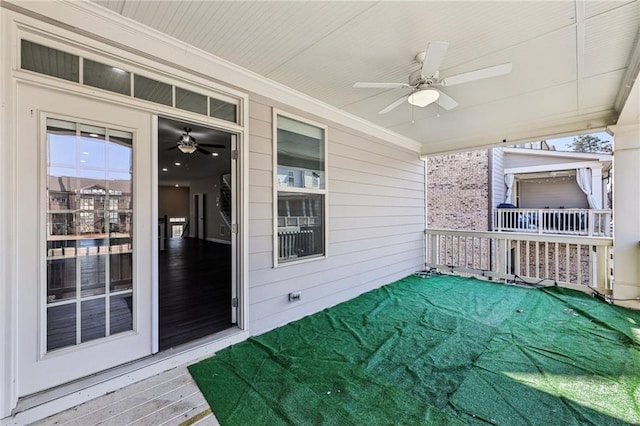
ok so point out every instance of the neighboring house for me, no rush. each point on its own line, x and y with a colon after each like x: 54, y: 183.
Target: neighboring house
x: 524, y: 188
x: 458, y: 189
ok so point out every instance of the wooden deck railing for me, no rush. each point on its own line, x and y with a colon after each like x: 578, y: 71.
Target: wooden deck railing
x: 554, y: 221
x: 570, y: 261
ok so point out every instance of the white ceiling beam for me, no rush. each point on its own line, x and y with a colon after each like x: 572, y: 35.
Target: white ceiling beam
x: 553, y: 167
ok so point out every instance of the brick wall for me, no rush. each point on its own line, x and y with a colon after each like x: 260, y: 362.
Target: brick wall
x: 458, y: 191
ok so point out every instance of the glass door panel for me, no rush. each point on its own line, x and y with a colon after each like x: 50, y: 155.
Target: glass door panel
x: 89, y: 239
x: 79, y: 310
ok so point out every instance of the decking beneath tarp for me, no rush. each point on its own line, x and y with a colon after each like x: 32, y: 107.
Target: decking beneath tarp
x: 438, y: 350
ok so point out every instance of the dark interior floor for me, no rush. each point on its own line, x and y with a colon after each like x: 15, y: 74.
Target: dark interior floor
x: 195, y: 290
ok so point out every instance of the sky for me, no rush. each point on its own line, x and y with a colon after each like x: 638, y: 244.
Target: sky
x: 564, y: 144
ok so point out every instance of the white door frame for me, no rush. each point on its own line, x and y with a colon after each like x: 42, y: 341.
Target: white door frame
x: 38, y: 369
x: 9, y: 226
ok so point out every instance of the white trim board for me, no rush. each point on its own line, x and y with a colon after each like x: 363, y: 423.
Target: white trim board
x: 554, y: 167
x: 559, y: 154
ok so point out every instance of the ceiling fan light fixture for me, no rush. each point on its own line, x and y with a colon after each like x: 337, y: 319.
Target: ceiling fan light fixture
x: 187, y: 149
x: 422, y: 98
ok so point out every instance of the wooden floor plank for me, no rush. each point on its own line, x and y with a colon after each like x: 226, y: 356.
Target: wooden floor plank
x: 191, y: 417
x: 129, y: 404
x: 175, y: 409
x: 132, y: 403
x: 134, y: 408
x: 110, y: 399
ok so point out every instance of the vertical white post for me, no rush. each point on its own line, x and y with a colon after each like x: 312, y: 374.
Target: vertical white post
x: 591, y: 221
x: 626, y: 210
x: 600, y: 271
x: 501, y: 256
x: 596, y: 186
x: 539, y: 221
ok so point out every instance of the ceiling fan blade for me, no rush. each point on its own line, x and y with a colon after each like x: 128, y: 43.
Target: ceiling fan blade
x: 434, y: 55
x: 202, y: 150
x: 394, y: 105
x: 212, y: 145
x: 446, y: 101
x: 488, y: 72
x: 373, y: 85
x: 173, y: 147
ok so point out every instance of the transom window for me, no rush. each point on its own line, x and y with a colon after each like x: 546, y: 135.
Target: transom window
x: 56, y: 63
x: 301, y: 189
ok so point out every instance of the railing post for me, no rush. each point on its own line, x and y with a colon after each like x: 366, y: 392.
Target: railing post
x: 499, y: 219
x: 501, y: 256
x: 539, y: 222
x: 600, y: 272
x: 591, y: 221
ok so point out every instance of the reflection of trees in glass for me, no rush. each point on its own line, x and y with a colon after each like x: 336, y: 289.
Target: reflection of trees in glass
x: 590, y: 143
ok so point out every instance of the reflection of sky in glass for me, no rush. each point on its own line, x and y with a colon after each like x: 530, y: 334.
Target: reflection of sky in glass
x: 88, y: 157
x: 119, y: 157
x: 92, y: 152
x: 62, y: 149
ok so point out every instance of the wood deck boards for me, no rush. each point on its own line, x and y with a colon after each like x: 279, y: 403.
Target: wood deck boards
x: 171, y: 398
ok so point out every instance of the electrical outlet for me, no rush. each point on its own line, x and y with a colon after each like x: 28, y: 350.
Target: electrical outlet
x: 295, y: 296
x: 222, y: 230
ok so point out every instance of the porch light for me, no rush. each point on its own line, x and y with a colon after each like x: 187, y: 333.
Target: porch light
x: 187, y: 149
x: 422, y: 98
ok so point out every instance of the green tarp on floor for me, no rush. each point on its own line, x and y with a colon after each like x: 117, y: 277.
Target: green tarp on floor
x: 438, y: 350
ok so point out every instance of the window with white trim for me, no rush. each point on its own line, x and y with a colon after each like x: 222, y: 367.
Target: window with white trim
x: 301, y: 150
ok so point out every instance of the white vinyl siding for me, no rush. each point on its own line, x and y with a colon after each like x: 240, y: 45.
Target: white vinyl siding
x: 499, y: 188
x: 541, y: 193
x: 375, y: 218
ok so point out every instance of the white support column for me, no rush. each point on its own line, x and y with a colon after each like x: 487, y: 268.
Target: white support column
x: 626, y: 214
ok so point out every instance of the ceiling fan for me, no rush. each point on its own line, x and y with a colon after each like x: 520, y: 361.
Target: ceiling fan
x: 424, y: 81
x: 188, y: 145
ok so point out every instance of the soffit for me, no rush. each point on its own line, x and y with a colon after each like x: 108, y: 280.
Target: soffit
x: 569, y: 58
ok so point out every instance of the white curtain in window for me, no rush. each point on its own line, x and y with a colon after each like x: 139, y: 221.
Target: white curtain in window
x: 508, y: 180
x: 583, y: 177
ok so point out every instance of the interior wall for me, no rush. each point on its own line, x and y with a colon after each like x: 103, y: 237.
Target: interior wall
x: 215, y: 228
x: 173, y: 202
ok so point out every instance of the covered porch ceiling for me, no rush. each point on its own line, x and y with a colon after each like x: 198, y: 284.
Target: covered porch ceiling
x: 573, y: 62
